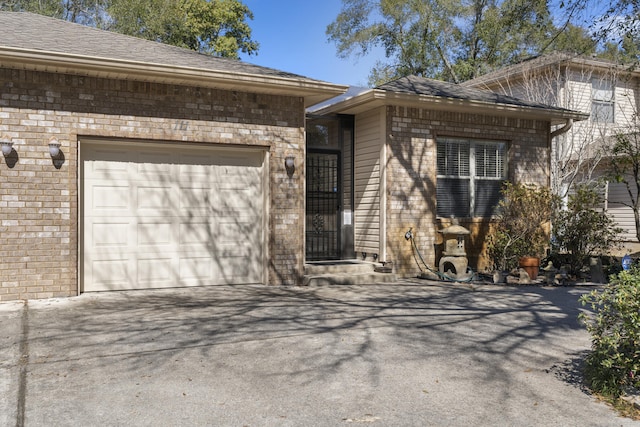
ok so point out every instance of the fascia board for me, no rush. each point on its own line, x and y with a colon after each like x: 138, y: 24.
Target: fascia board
x: 312, y: 91
x: 377, y: 98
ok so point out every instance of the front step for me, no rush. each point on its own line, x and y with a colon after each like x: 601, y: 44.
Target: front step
x: 348, y: 272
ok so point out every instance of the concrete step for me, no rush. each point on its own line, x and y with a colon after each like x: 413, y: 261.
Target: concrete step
x: 346, y: 272
x: 348, y: 279
x: 339, y: 267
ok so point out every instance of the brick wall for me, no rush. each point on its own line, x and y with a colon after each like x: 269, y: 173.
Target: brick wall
x: 411, y: 175
x: 39, y: 199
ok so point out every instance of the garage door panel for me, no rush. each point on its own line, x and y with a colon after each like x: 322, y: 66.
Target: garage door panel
x: 235, y: 269
x: 195, y: 233
x: 156, y: 197
x: 237, y: 200
x: 155, y: 272
x: 110, y: 197
x: 153, y: 219
x: 196, y: 267
x: 155, y: 234
x: 196, y: 200
x: 111, y: 274
x: 237, y: 230
x: 109, y: 234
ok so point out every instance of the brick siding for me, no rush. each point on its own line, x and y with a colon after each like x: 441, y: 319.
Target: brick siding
x: 39, y: 199
x: 411, y: 176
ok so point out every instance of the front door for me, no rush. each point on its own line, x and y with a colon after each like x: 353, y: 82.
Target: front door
x: 323, y: 206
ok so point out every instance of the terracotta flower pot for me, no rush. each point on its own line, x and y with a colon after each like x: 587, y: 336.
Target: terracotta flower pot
x: 531, y: 265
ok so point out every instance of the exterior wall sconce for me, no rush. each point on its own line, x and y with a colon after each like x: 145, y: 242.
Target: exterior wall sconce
x: 7, y: 145
x: 289, y: 165
x: 54, y: 147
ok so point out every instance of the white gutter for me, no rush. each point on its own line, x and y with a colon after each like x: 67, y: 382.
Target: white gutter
x: 377, y: 98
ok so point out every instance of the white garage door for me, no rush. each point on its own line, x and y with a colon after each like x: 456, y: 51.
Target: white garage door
x: 157, y: 216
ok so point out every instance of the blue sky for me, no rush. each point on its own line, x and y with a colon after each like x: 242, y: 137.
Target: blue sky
x: 292, y: 38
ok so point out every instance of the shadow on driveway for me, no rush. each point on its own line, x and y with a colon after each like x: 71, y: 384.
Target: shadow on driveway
x: 403, y: 354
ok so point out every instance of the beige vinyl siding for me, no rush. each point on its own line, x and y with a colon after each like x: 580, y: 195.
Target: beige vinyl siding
x: 368, y: 143
x: 626, y: 97
x: 617, y: 197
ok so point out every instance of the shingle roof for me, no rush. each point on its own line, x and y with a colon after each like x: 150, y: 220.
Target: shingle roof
x: 41, y: 43
x: 36, y: 32
x: 543, y: 61
x: 423, y: 86
x: 420, y: 92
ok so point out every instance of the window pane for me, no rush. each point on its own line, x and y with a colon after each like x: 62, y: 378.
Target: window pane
x: 602, y: 90
x: 490, y: 160
x: 602, y: 112
x: 453, y: 197
x: 487, y: 196
x: 453, y: 158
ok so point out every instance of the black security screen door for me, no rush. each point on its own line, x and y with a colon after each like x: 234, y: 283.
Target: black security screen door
x: 323, y: 206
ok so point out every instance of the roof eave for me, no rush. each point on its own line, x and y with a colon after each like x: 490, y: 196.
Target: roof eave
x: 378, y: 98
x: 312, y: 91
x: 516, y: 71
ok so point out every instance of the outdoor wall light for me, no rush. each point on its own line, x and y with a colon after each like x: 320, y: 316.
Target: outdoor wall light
x: 289, y: 165
x: 7, y: 145
x: 54, y: 147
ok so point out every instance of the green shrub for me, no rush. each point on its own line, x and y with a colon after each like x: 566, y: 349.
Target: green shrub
x: 614, y: 361
x: 583, y: 229
x: 520, y: 225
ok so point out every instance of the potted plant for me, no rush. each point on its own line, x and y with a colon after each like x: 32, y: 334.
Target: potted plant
x: 519, y: 233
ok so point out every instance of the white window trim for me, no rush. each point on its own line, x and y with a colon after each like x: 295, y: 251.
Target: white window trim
x: 472, y: 177
x: 603, y: 95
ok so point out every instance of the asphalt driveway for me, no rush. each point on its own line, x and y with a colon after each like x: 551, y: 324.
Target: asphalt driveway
x: 406, y: 354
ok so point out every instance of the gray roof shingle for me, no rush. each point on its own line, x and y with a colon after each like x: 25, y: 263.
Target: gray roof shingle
x: 41, y: 33
x: 424, y: 86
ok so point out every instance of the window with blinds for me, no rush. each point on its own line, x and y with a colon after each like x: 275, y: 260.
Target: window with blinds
x: 470, y: 176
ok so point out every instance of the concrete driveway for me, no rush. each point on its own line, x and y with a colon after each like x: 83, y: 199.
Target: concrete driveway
x: 406, y: 354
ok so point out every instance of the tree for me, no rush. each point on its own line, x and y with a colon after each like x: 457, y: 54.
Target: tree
x: 445, y: 39
x: 616, y: 26
x: 215, y: 27
x: 52, y: 8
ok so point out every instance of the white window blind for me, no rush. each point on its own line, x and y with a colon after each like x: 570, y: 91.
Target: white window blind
x: 602, y: 100
x: 470, y: 176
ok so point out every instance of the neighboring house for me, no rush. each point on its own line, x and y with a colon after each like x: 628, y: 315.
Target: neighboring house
x: 174, y: 168
x: 610, y: 93
x: 412, y: 154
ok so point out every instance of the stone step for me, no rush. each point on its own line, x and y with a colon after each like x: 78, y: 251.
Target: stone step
x: 348, y: 279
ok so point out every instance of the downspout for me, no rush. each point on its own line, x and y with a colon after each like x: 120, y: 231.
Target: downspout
x: 561, y: 131
x: 564, y: 129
